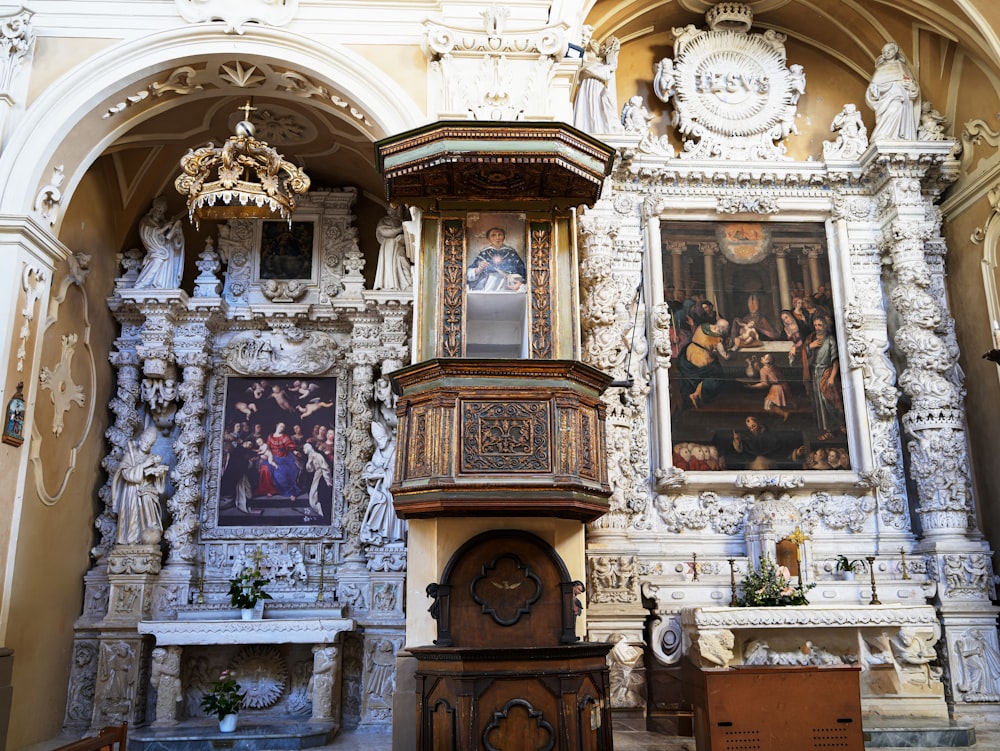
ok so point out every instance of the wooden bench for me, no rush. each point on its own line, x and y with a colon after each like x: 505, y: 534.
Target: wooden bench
x: 111, y: 738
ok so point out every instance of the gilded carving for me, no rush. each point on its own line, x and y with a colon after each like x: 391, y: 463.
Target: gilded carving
x: 541, y: 293
x: 505, y: 437
x: 453, y: 279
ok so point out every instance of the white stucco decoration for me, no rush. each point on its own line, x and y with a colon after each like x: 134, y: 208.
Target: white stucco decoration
x: 235, y: 13
x: 733, y: 96
x: 59, y: 382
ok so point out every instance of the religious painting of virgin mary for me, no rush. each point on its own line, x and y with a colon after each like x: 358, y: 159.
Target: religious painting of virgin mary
x: 755, y: 377
x: 279, y: 452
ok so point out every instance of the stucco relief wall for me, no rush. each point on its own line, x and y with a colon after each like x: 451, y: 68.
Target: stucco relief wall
x: 59, y: 501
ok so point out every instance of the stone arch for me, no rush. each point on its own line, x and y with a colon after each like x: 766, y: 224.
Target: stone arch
x: 41, y: 141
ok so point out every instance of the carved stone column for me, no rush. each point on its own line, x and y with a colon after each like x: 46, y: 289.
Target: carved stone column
x: 365, y: 340
x: 954, y: 552
x: 614, y: 340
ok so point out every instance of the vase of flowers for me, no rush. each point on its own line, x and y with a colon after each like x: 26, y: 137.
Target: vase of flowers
x: 224, y: 699
x: 771, y: 585
x: 246, y: 592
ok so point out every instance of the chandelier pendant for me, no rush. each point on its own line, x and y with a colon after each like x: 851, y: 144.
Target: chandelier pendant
x: 243, y: 179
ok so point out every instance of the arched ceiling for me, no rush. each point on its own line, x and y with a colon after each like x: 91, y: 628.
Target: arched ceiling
x: 851, y: 29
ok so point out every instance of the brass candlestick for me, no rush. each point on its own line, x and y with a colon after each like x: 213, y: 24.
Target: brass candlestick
x: 732, y: 582
x: 200, y: 582
x: 871, y: 572
x: 321, y: 595
x: 902, y: 558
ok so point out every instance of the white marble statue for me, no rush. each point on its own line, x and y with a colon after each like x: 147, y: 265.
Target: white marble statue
x: 894, y: 95
x: 165, y: 677
x: 135, y: 490
x: 163, y: 239
x: 381, y: 525
x: 395, y: 267
x: 626, y: 673
x: 852, y: 135
x: 321, y: 682
x: 635, y: 117
x: 932, y: 124
x: 596, y: 107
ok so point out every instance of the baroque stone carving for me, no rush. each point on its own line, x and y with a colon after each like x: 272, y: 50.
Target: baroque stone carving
x: 733, y: 95
x: 852, y: 135
x: 490, y: 72
x: 262, y: 671
x: 291, y: 351
x: 613, y: 578
x: 707, y: 510
x: 235, y: 13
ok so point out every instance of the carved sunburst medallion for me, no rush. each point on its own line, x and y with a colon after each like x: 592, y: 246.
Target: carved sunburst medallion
x: 261, y: 672
x: 733, y: 84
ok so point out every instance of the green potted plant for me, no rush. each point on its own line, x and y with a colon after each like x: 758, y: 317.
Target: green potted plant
x: 846, y: 569
x: 246, y: 591
x: 224, y: 700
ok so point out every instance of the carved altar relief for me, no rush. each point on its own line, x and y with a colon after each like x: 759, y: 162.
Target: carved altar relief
x: 274, y: 267
x: 731, y: 89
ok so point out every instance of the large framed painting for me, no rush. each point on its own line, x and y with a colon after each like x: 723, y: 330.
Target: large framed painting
x: 755, y: 380
x: 278, y: 462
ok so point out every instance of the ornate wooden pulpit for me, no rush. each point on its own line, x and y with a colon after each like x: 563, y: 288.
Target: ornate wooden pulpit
x: 501, y: 428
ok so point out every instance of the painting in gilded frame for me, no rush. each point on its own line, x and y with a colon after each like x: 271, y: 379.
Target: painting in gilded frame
x: 278, y: 454
x: 755, y: 377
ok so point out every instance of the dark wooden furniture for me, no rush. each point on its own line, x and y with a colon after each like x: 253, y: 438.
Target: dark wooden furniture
x: 513, y: 699
x: 507, y: 671
x: 112, y: 738
x: 501, y: 437
x: 776, y: 708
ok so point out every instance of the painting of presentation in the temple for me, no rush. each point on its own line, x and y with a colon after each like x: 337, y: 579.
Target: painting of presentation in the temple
x: 279, y: 440
x: 755, y: 379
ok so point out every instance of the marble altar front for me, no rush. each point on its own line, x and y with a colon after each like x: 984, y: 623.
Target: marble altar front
x: 893, y: 644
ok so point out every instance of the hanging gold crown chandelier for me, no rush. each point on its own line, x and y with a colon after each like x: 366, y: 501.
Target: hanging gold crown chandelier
x: 244, y: 179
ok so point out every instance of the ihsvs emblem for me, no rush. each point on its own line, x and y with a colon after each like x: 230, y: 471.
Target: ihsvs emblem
x: 733, y: 96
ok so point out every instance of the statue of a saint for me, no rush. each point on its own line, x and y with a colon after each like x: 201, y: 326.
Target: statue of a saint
x: 164, y: 242
x: 395, y: 267
x: 894, y: 94
x: 135, y: 490
x: 381, y: 525
x: 165, y: 677
x: 596, y: 107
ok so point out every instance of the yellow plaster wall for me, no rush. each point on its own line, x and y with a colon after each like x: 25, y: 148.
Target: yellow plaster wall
x: 55, y: 55
x: 55, y: 538
x: 967, y: 298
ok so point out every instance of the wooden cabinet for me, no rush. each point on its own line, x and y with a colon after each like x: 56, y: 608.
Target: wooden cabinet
x: 513, y: 699
x: 776, y: 708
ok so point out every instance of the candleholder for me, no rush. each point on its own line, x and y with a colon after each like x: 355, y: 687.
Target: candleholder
x: 902, y: 558
x: 733, y: 602
x: 694, y: 566
x: 200, y: 583
x: 871, y: 572
x: 321, y: 595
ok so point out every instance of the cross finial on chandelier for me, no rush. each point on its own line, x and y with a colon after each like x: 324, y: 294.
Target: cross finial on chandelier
x: 247, y: 109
